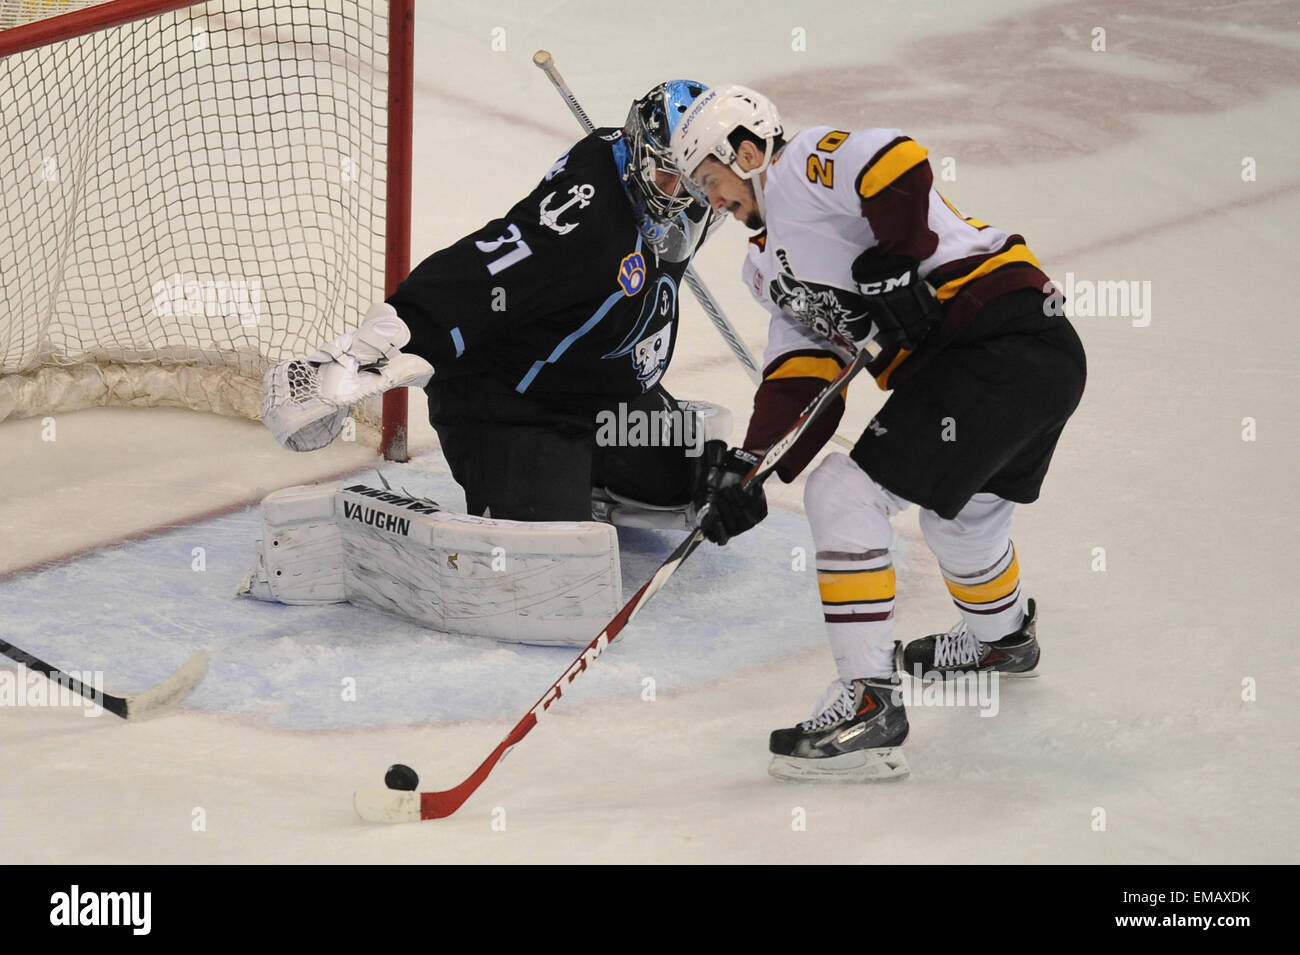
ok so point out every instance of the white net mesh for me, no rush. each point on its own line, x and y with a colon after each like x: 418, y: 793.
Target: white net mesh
x: 188, y: 199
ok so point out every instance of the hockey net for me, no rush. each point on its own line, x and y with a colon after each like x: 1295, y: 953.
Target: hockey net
x: 194, y: 192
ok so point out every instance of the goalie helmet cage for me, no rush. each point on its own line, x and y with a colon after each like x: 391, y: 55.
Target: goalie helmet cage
x: 192, y: 192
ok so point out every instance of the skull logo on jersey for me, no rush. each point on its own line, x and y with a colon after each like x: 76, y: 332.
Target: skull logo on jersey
x: 822, y: 308
x: 651, y: 357
x: 650, y: 350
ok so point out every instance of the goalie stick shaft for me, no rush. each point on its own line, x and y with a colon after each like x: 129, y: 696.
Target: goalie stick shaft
x: 383, y: 805
x: 546, y: 64
x: 724, y: 327
x: 160, y: 696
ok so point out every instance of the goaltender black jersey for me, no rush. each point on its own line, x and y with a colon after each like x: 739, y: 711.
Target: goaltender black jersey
x: 560, y: 299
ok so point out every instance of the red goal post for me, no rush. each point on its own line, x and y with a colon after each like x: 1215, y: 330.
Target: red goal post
x: 191, y: 192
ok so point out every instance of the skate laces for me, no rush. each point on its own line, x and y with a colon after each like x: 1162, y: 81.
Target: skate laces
x: 957, y: 647
x: 836, y: 704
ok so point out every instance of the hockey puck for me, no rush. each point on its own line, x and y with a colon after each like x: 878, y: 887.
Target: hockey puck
x: 400, y: 776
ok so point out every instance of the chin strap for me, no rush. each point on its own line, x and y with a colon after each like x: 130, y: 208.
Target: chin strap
x: 755, y: 177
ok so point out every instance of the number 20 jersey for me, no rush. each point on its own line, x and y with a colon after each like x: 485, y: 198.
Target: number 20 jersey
x: 832, y: 194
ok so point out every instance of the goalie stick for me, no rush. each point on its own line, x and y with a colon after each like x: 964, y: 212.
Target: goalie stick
x: 378, y: 804
x: 150, y: 702
x: 546, y: 63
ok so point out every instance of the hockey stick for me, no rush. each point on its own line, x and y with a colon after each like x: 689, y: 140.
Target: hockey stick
x: 159, y: 697
x: 544, y: 62
x: 378, y: 804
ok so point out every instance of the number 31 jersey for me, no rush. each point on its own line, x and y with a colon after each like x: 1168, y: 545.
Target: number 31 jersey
x: 561, y: 298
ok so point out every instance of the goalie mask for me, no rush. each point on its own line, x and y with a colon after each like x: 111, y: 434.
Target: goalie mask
x: 654, y: 183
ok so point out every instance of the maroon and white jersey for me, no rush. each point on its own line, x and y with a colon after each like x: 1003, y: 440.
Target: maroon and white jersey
x: 829, y: 195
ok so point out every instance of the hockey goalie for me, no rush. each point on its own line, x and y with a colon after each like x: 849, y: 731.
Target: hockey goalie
x: 541, y: 340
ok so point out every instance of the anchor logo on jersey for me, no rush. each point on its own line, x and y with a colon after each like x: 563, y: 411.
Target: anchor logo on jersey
x: 551, y: 217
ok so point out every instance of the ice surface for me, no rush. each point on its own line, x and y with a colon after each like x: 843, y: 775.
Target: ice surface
x: 286, y: 666
x: 1117, y: 165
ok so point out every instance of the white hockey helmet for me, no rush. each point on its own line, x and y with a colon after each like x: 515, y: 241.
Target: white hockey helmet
x: 706, y: 128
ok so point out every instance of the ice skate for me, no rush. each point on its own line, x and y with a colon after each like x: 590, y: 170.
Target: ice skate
x: 946, y: 655
x: 854, y: 736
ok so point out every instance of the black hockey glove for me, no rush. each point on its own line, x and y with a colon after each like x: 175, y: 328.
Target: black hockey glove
x: 732, y: 509
x: 900, y: 305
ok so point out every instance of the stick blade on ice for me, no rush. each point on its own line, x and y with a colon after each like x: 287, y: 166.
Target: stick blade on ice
x: 379, y: 804
x: 170, y: 691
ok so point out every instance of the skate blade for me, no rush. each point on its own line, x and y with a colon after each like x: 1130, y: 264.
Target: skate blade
x: 866, y: 765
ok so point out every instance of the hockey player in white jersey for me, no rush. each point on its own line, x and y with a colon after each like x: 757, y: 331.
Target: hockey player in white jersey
x: 855, y: 244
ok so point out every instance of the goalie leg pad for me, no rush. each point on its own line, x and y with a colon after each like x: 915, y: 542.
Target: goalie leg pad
x: 546, y: 582
x: 552, y: 583
x: 299, y: 559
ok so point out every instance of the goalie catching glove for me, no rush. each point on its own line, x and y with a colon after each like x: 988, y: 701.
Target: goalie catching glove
x: 305, y: 401
x: 732, y: 508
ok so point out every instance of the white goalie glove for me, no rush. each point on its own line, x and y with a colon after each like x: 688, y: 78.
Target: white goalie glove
x: 305, y: 401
